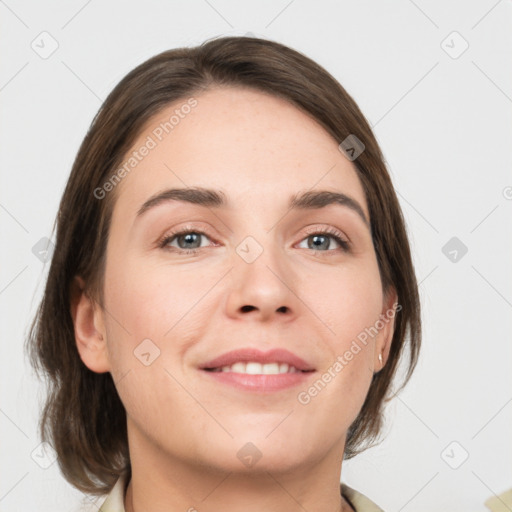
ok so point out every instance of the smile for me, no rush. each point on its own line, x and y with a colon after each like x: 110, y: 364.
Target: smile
x: 255, y: 368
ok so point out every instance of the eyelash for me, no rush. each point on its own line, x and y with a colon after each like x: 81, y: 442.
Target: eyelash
x: 345, y: 245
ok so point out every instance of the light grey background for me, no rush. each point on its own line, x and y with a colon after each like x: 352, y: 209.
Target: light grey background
x: 444, y: 123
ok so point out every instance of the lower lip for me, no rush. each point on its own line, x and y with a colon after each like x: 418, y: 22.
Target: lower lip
x: 260, y: 383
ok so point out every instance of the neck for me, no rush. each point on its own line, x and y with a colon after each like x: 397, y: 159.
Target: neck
x: 162, y: 483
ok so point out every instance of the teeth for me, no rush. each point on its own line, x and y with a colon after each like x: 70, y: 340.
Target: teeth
x: 238, y: 367
x: 253, y: 368
x: 271, y: 369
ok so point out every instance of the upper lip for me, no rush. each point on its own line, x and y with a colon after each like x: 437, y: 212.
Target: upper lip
x: 277, y: 355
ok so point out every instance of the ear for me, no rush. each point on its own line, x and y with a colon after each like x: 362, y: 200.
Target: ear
x: 90, y: 335
x: 389, y: 311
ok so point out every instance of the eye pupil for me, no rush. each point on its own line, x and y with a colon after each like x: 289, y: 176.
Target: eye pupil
x: 189, y: 238
x: 319, y: 241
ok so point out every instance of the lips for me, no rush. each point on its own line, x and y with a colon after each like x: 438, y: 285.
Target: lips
x: 255, y: 355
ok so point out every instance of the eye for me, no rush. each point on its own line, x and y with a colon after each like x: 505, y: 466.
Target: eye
x: 326, y: 240
x: 190, y: 241
x: 186, y: 241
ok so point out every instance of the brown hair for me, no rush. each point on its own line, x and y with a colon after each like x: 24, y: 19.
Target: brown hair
x: 83, y: 417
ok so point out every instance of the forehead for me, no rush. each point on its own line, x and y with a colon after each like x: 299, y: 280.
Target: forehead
x: 255, y: 147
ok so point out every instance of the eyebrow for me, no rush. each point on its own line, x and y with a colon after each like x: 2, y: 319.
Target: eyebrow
x: 309, y: 200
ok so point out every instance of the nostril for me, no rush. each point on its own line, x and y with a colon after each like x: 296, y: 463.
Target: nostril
x: 247, y: 308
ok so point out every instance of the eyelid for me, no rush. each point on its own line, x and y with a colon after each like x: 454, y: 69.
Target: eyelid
x: 330, y: 230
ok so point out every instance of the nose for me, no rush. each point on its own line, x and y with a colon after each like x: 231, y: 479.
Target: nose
x: 261, y: 288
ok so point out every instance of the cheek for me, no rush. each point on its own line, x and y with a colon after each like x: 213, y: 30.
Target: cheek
x: 153, y: 297
x: 147, y: 307
x: 347, y: 301
x: 153, y: 302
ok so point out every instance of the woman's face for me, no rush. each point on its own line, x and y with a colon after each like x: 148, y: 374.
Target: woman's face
x: 254, y: 273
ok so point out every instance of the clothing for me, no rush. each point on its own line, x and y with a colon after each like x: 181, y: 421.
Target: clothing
x: 115, y: 499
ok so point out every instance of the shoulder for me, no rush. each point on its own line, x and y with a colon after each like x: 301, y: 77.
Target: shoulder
x: 114, y: 502
x: 359, y: 501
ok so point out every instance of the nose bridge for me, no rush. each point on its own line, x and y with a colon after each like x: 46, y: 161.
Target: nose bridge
x: 257, y: 255
x: 258, y: 245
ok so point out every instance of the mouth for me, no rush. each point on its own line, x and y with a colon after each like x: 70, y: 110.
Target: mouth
x: 252, y: 370
x: 255, y: 368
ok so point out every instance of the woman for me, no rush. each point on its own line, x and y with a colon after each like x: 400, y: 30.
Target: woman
x: 231, y: 288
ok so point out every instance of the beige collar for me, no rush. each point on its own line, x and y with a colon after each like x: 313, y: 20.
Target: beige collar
x: 115, y: 499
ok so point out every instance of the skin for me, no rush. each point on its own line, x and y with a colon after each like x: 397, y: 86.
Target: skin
x: 185, y: 429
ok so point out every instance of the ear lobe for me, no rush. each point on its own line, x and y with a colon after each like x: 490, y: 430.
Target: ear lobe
x: 389, y: 312
x: 90, y: 336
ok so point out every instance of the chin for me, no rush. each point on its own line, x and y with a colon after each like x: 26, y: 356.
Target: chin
x: 255, y: 452
x: 250, y: 460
